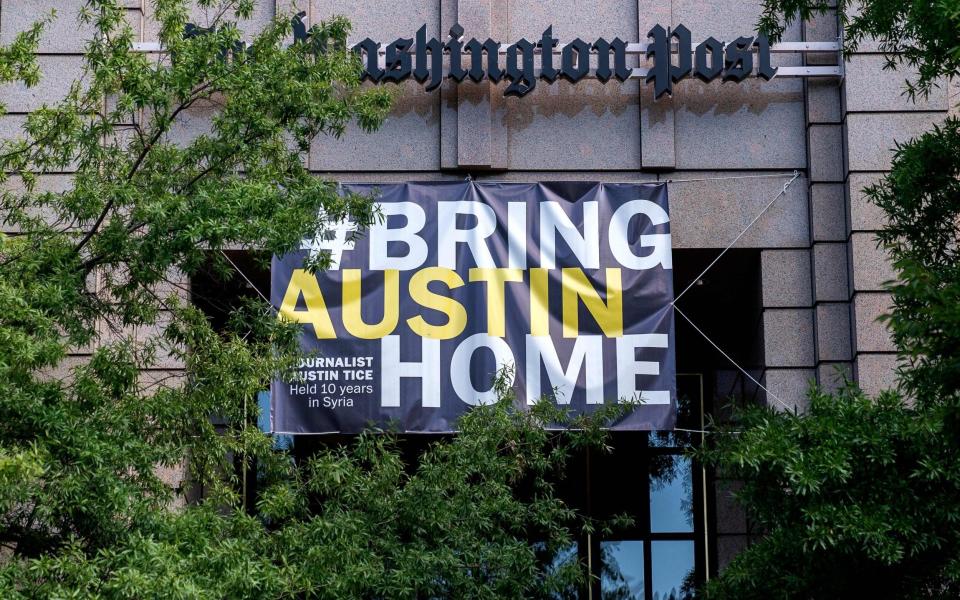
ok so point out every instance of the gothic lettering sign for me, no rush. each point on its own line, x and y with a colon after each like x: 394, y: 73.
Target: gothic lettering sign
x: 568, y: 285
x: 670, y: 56
x: 525, y: 62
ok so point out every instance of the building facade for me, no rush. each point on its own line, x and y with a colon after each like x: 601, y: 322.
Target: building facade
x: 795, y: 300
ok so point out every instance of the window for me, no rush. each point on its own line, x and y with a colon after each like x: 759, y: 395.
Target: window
x: 660, y: 554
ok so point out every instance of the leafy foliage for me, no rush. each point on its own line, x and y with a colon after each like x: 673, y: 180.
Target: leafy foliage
x: 860, y: 497
x: 921, y: 34
x: 475, y: 517
x: 97, y: 267
x: 921, y: 198
x: 857, y: 497
x: 95, y: 261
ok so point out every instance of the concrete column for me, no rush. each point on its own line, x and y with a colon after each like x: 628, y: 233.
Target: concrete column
x: 789, y: 355
x: 875, y: 116
x: 658, y: 149
x: 732, y: 528
x: 478, y: 138
x: 829, y: 267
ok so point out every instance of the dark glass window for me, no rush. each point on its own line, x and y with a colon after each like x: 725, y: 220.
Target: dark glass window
x: 622, y: 569
x: 660, y: 553
x: 673, y: 568
x: 671, y: 494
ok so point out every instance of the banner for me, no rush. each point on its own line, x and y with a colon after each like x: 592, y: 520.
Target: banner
x: 568, y: 284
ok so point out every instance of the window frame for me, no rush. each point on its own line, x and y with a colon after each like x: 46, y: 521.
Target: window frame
x: 589, y: 546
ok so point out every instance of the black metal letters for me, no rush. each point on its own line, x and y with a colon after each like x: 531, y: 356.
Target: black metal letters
x: 715, y: 50
x: 669, y: 53
x: 435, y: 71
x: 522, y: 80
x: 575, y: 61
x: 739, y: 59
x: 620, y: 70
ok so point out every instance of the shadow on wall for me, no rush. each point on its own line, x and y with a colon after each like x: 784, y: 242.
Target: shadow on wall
x: 720, y: 98
x: 562, y: 98
x: 410, y: 98
x: 570, y: 100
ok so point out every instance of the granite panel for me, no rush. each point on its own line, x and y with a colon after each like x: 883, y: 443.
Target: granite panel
x: 724, y: 20
x: 45, y: 183
x: 657, y: 121
x: 409, y: 139
x: 823, y: 100
x: 382, y: 20
x: 730, y: 516
x: 477, y: 102
x: 788, y: 338
x: 827, y: 212
x: 206, y: 16
x: 605, y: 176
x: 833, y: 332
x: 711, y: 213
x: 831, y: 376
x: 864, y: 214
x: 871, y: 137
x: 728, y: 547
x: 872, y: 334
x: 953, y: 96
x: 573, y: 18
x: 754, y: 124
x: 876, y: 372
x: 826, y: 153
x: 11, y: 126
x: 475, y: 124
x: 871, y: 264
x: 866, y: 45
x: 193, y: 122
x: 63, y: 371
x: 821, y: 28
x: 791, y: 388
x: 562, y: 126
x: 658, y: 140
x: 64, y: 34
x: 870, y: 87
x: 57, y: 74
x: 584, y: 126
x: 830, y: 272
x: 523, y: 176
x: 786, y: 278
x: 449, y: 108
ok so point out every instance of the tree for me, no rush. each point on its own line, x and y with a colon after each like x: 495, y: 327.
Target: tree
x: 860, y: 497
x: 83, y: 511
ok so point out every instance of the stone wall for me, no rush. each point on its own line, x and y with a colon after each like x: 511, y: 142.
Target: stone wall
x: 875, y: 113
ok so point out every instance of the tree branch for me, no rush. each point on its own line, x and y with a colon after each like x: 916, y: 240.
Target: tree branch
x: 164, y: 128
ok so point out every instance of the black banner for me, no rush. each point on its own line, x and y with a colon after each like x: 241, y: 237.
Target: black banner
x: 568, y: 284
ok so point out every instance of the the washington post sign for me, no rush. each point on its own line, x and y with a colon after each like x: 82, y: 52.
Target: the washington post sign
x: 569, y: 285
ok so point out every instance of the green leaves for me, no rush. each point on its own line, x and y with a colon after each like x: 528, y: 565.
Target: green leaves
x: 358, y: 520
x: 174, y: 160
x: 923, y: 35
x: 852, y: 496
x: 861, y: 496
x: 81, y: 442
x: 17, y: 59
x: 922, y: 200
